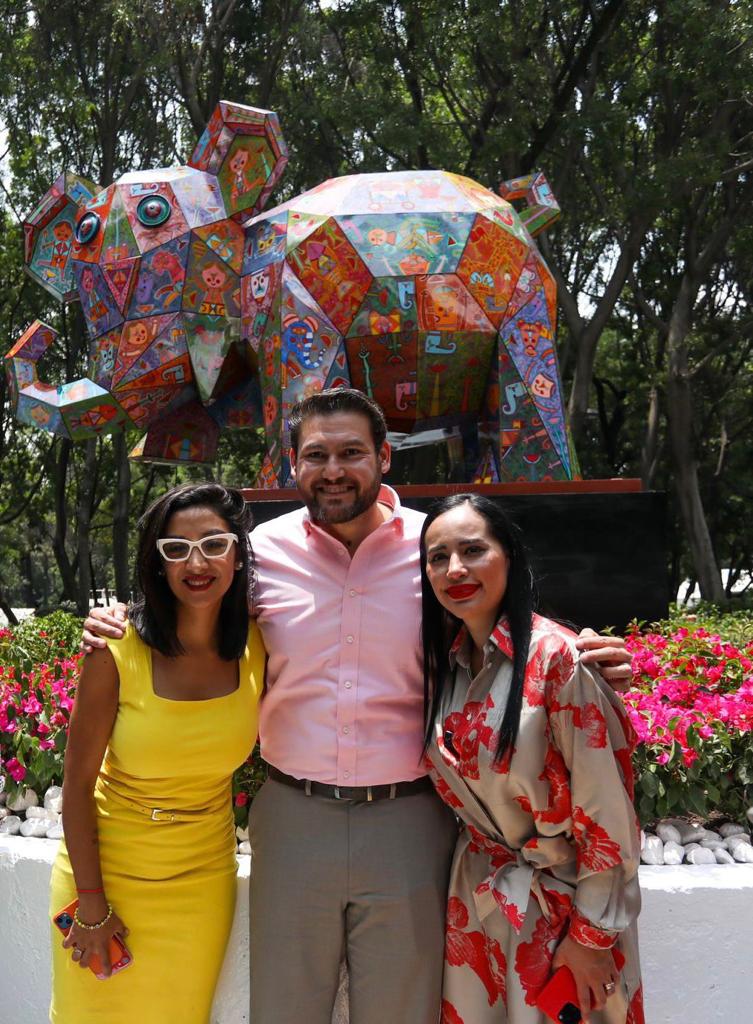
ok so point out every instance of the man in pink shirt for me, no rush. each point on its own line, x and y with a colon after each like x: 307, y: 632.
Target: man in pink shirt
x: 351, y: 847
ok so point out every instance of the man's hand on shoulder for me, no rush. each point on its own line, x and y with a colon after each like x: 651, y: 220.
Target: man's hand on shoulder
x: 609, y: 655
x: 103, y: 624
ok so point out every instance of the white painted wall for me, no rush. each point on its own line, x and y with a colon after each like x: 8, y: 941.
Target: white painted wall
x: 696, y: 933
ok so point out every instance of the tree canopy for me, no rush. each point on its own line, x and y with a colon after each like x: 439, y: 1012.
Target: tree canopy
x: 640, y: 114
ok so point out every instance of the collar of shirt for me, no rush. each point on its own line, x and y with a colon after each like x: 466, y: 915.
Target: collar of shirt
x: 386, y: 497
x: 460, y: 651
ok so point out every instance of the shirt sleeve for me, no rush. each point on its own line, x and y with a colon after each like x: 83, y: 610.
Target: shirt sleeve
x: 593, y: 734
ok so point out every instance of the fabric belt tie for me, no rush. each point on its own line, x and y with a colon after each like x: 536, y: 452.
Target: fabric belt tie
x: 515, y: 875
x: 366, y: 794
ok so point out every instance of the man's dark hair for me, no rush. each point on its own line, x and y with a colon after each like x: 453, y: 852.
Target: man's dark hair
x: 154, y: 611
x: 518, y: 604
x: 333, y: 400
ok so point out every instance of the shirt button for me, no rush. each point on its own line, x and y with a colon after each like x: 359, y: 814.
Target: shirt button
x: 346, y: 730
x: 346, y: 774
x: 349, y: 639
x: 353, y: 593
x: 348, y: 684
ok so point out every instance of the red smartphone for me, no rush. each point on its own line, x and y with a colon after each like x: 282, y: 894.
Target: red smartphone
x: 558, y: 999
x: 120, y: 958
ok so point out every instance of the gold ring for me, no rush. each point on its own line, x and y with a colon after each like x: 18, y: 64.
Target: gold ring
x: 609, y: 987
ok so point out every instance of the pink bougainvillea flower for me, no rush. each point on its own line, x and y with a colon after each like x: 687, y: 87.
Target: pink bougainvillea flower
x: 15, y: 769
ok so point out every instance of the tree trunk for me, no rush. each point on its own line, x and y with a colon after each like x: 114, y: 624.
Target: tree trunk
x: 84, y: 512
x: 650, y: 450
x: 681, y: 434
x: 121, y: 509
x: 60, y: 470
x: 5, y: 607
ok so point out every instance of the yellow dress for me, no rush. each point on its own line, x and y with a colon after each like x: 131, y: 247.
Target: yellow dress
x: 169, y: 873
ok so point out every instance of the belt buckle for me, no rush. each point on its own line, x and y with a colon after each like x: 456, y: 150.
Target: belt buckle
x: 156, y: 811
x: 337, y: 793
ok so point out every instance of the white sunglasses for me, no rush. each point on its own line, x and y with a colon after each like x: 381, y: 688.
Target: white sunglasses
x: 217, y: 546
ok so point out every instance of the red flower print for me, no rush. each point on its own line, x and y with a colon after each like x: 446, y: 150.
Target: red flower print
x: 476, y: 950
x: 457, y: 912
x: 525, y: 804
x: 497, y: 966
x: 556, y: 774
x: 449, y: 1014
x: 594, y: 725
x: 587, y: 934
x: 533, y: 960
x: 549, y: 667
x: 624, y: 759
x: 468, y: 729
x: 635, y: 1011
x: 596, y: 851
x: 450, y: 798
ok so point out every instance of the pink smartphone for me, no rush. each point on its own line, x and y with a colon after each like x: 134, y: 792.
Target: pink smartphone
x: 120, y: 958
x: 558, y: 999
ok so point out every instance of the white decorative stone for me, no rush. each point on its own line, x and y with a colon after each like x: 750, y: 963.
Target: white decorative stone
x: 749, y: 815
x: 701, y: 856
x: 668, y: 833
x: 36, y: 812
x: 26, y: 798
x: 717, y: 843
x: 729, y: 828
x: 743, y: 853
x: 10, y: 826
x: 724, y: 857
x: 53, y: 799
x: 643, y: 839
x: 4, y: 812
x: 241, y: 834
x: 673, y: 853
x: 56, y: 832
x: 36, y: 827
x: 244, y: 847
x: 692, y: 846
x: 653, y: 851
x: 739, y: 837
x: 689, y: 833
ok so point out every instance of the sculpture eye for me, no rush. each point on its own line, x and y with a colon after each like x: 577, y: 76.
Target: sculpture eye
x: 87, y: 228
x: 153, y: 211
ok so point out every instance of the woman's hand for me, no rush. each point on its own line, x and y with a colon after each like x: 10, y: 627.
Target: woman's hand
x: 592, y: 969
x: 87, y: 943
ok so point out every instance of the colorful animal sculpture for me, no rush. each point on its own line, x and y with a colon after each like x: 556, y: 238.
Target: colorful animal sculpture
x: 423, y: 289
x: 426, y: 291
x: 155, y: 260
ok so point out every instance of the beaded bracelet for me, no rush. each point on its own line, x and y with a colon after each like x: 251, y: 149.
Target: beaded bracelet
x: 93, y: 927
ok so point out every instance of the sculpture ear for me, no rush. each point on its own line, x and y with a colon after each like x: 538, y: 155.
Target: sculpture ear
x: 541, y: 208
x: 49, y: 233
x: 244, y: 149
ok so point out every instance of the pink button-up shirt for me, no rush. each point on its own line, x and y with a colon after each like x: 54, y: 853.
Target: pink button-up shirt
x: 344, y: 690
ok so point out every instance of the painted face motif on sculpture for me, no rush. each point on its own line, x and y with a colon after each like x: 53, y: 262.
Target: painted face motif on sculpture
x: 155, y: 260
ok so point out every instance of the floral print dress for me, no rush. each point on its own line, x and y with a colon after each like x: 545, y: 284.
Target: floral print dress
x: 549, y: 839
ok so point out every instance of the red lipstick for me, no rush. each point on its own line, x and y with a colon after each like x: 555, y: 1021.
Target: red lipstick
x: 462, y: 590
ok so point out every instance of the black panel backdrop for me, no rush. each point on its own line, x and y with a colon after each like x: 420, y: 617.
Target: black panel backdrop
x: 600, y: 558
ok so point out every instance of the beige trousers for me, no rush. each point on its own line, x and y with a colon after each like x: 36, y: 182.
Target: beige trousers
x: 364, y: 880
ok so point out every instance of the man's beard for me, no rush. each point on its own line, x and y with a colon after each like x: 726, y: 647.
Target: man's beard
x: 344, y: 513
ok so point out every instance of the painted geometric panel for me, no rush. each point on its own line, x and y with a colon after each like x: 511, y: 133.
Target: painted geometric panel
x: 423, y: 288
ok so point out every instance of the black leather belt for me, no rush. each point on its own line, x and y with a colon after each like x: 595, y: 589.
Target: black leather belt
x: 356, y: 793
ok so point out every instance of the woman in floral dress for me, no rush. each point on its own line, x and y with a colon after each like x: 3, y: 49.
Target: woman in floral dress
x: 532, y: 751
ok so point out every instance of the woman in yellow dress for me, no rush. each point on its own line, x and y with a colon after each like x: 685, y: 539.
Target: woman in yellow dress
x: 161, y: 720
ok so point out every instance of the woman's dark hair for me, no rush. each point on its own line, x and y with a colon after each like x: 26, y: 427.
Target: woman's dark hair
x: 154, y: 611
x: 439, y: 627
